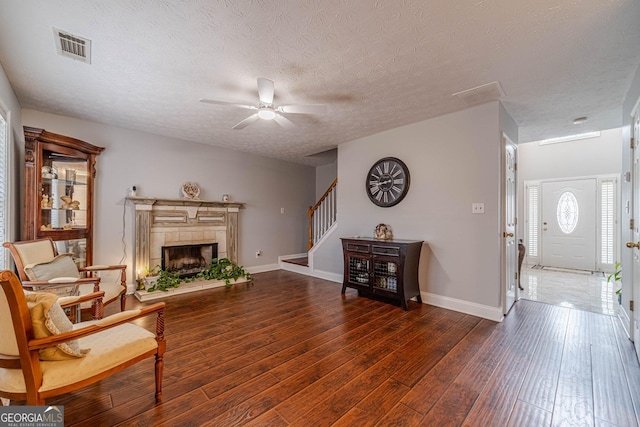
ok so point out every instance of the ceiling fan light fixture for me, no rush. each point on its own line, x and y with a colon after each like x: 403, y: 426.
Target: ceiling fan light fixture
x: 266, y: 114
x: 265, y: 109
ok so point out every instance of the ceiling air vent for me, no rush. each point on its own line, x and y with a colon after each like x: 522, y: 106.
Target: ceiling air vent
x: 480, y: 94
x: 72, y: 46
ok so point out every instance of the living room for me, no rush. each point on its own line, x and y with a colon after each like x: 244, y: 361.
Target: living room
x: 277, y: 192
x: 455, y: 159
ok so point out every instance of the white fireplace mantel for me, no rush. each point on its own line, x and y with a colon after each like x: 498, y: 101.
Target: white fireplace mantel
x: 164, y: 222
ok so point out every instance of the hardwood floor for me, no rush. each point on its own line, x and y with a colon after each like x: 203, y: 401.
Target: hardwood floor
x: 290, y: 350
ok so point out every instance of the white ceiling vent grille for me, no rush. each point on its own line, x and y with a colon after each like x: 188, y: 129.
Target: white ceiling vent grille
x: 72, y: 46
x: 480, y: 94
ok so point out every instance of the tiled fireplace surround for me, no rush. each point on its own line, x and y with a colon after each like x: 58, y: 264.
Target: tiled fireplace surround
x: 173, y: 222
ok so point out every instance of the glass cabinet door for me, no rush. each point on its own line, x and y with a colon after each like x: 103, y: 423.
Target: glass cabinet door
x: 76, y: 247
x: 63, y: 197
x: 359, y: 270
x: 385, y: 275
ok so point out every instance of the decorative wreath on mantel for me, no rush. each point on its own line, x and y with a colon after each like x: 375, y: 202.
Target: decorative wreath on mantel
x: 190, y: 190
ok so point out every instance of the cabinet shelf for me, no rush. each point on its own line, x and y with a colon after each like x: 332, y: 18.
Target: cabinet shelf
x: 382, y: 268
x: 56, y: 181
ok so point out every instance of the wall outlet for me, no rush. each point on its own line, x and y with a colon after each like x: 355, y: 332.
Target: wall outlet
x: 477, y: 208
x: 282, y: 211
x: 258, y: 254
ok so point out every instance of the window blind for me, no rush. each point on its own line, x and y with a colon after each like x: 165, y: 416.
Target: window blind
x: 533, y: 232
x: 607, y: 225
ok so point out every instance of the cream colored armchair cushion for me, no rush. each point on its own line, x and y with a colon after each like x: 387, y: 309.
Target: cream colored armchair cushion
x: 35, y: 252
x: 109, y: 349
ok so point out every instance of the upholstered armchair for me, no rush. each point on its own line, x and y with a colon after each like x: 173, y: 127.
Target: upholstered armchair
x: 42, y: 354
x: 41, y: 268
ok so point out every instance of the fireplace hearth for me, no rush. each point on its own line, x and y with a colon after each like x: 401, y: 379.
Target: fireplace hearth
x: 188, y: 260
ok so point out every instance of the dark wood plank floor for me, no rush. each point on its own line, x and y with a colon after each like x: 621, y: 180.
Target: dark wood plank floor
x: 291, y: 350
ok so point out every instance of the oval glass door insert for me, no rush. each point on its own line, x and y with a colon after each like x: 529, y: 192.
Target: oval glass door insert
x: 567, y: 212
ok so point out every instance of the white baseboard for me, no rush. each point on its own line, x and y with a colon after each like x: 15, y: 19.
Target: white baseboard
x: 307, y: 271
x: 484, y: 311
x: 281, y: 257
x: 262, y: 268
x: 301, y: 269
x: 296, y: 268
x: 326, y: 275
x: 625, y: 321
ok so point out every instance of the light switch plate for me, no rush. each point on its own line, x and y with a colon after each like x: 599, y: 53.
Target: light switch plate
x: 477, y: 208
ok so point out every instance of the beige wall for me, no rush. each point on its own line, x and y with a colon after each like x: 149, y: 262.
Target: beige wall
x: 454, y: 161
x: 159, y: 165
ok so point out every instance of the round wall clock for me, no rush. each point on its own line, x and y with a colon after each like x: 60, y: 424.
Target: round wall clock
x: 387, y: 182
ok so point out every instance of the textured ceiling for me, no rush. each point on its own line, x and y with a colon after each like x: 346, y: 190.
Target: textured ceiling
x: 376, y: 64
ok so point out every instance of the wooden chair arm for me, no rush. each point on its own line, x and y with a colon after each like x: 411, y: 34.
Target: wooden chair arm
x: 39, y: 343
x: 78, y: 299
x: 102, y: 268
x: 46, y: 283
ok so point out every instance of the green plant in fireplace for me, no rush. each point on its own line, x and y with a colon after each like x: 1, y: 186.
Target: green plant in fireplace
x: 224, y: 269
x: 219, y: 269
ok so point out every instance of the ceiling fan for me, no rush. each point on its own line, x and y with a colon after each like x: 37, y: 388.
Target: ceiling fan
x: 266, y: 110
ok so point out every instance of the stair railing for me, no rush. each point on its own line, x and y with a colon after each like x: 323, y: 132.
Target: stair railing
x: 322, y: 215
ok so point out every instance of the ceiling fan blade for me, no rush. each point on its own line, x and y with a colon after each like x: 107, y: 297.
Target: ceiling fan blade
x: 246, y: 122
x: 283, y: 121
x: 228, y: 104
x: 265, y: 91
x: 303, y: 109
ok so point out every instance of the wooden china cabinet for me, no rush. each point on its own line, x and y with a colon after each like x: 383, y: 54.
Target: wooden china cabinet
x: 59, y: 176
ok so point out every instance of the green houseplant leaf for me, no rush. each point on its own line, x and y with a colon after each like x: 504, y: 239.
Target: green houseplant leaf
x: 616, y: 277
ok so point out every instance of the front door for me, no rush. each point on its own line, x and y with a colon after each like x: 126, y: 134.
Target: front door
x: 510, y: 249
x: 569, y: 224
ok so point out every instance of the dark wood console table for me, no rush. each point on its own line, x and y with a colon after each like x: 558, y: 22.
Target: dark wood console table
x: 382, y: 268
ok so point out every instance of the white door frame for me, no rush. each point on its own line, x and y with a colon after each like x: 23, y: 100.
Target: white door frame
x: 631, y: 289
x: 508, y: 228
x: 626, y: 217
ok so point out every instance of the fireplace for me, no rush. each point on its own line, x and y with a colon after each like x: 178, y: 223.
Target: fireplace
x: 188, y: 260
x: 171, y: 222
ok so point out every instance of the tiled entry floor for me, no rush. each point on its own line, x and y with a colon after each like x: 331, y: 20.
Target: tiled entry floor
x: 580, y: 290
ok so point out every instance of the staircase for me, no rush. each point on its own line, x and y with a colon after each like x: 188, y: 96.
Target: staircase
x: 322, y: 216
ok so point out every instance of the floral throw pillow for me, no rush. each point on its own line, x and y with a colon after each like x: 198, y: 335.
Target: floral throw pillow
x: 48, y: 318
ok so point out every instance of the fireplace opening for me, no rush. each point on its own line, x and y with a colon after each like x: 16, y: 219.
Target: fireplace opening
x: 188, y: 260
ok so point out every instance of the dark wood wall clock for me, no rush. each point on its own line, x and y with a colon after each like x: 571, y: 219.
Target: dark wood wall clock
x: 387, y: 182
